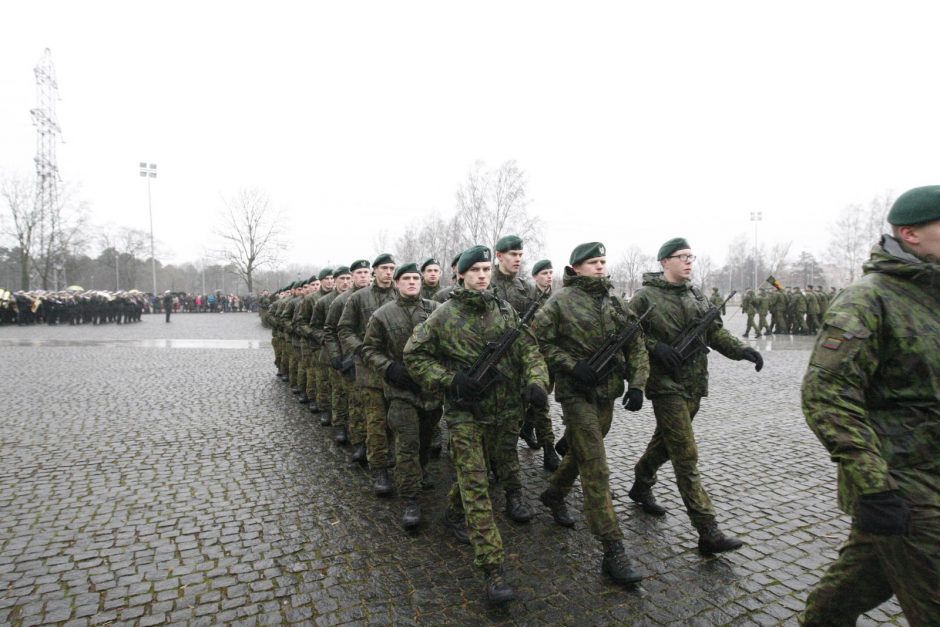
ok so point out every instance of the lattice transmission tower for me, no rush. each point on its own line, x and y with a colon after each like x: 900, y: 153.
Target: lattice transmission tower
x: 47, y: 170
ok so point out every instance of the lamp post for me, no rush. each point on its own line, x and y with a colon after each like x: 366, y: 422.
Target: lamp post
x: 756, y: 216
x: 150, y: 172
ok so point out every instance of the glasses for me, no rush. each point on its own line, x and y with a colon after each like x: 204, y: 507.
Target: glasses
x: 683, y: 258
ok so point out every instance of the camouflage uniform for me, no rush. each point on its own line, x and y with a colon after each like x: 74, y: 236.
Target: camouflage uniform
x: 346, y: 401
x: 570, y: 327
x: 321, y: 365
x: 716, y: 300
x: 539, y: 417
x: 812, y: 312
x: 276, y: 341
x: 871, y: 395
x: 411, y: 415
x: 285, y: 316
x: 676, y: 400
x: 778, y: 312
x: 450, y: 340
x: 444, y: 293
x: 351, y: 330
x: 796, y: 309
x: 749, y: 307
x: 302, y: 316
x: 428, y: 291
x: 763, y: 308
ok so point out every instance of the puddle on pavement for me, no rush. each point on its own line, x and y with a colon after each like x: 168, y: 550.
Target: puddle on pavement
x: 209, y: 344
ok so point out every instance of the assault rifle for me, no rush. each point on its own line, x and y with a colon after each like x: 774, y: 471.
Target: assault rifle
x: 483, y: 370
x: 691, y: 342
x: 602, y: 357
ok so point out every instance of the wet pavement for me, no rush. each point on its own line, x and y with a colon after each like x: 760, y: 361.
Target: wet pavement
x: 145, y: 485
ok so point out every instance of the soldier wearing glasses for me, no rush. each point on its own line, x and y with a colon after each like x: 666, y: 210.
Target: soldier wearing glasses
x: 676, y: 387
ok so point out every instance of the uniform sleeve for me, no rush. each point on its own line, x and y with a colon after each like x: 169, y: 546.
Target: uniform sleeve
x: 535, y: 368
x: 843, y: 361
x: 330, y: 339
x: 375, y: 344
x: 638, y: 306
x: 544, y: 327
x: 722, y: 341
x: 638, y: 362
x: 317, y: 321
x: 420, y: 357
x: 348, y: 324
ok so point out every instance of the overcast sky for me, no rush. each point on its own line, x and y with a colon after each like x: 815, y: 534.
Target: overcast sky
x: 635, y: 122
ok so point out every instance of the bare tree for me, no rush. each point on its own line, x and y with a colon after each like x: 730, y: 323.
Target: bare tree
x: 849, y: 241
x: 630, y: 267
x: 17, y: 193
x: 250, y: 233
x: 704, y: 270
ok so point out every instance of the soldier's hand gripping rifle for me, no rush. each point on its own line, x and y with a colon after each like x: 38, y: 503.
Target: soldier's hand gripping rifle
x: 600, y: 361
x: 483, y: 371
x: 691, y: 341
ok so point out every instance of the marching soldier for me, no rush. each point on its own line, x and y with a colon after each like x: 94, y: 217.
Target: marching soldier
x: 438, y: 356
x: 812, y: 310
x: 676, y: 387
x: 573, y: 325
x: 430, y: 277
x: 749, y: 307
x: 763, y: 308
x: 306, y: 377
x: 716, y: 300
x: 412, y: 412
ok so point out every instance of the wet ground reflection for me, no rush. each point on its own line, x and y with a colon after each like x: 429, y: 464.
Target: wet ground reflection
x: 137, y: 343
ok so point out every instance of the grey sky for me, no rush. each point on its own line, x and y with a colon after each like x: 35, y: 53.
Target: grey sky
x: 635, y: 122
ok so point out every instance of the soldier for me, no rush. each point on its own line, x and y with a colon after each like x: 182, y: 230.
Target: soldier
x: 444, y: 293
x: 306, y: 377
x: 717, y: 300
x: 430, y: 277
x: 167, y: 304
x: 285, y: 315
x: 871, y: 394
x: 572, y: 326
x: 778, y: 311
x: 343, y: 365
x: 797, y: 309
x: 412, y: 411
x: 437, y: 356
x: 823, y: 299
x: 351, y: 331
x: 749, y: 307
x: 330, y: 393
x: 676, y: 387
x: 763, y: 308
x: 317, y: 370
x: 812, y: 311
x: 537, y: 429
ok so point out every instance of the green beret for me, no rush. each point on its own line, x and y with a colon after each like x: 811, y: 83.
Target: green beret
x: 430, y: 261
x: 544, y: 264
x: 916, y: 206
x: 407, y: 268
x: 586, y: 251
x: 358, y: 264
x: 340, y: 271
x: 456, y: 259
x: 311, y: 280
x: 325, y: 272
x: 508, y: 242
x: 676, y: 243
x: 383, y: 258
x: 473, y: 255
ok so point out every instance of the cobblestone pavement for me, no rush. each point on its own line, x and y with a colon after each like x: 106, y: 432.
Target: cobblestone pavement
x: 162, y: 482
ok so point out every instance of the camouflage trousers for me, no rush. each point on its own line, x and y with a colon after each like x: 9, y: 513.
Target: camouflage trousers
x: 673, y: 440
x: 812, y: 323
x: 278, y: 353
x: 309, y: 383
x: 586, y: 425
x: 871, y: 568
x: 505, y: 452
x: 324, y: 380
x: 468, y: 449
x: 339, y: 403
x: 778, y: 321
x: 375, y: 412
x: 357, y: 420
x: 751, y: 325
x: 542, y: 421
x: 762, y: 326
x: 412, y: 428
x: 300, y: 365
x: 796, y: 324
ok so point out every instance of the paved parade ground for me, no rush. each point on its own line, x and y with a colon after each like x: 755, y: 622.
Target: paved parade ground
x: 158, y: 473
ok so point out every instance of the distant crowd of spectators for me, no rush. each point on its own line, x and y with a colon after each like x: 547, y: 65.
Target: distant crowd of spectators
x: 207, y: 303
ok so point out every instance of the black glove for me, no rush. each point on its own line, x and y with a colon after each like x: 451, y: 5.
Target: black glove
x: 536, y: 396
x: 397, y: 375
x: 561, y: 446
x: 584, y: 375
x: 336, y: 363
x: 753, y: 356
x: 465, y: 388
x: 667, y: 356
x: 883, y: 514
x: 633, y: 399
x: 348, y: 365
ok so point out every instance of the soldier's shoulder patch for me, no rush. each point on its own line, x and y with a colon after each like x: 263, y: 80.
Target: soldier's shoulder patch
x: 832, y: 343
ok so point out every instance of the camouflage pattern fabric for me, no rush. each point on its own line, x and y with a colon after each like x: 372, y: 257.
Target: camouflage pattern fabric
x: 871, y: 394
x: 339, y: 403
x: 357, y: 419
x: 412, y: 428
x: 375, y: 413
x: 513, y: 289
x: 763, y: 308
x: 749, y: 307
x: 351, y: 329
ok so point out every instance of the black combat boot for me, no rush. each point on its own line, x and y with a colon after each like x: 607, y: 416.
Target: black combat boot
x: 326, y: 418
x: 341, y: 435
x: 550, y: 459
x: 382, y: 483
x: 304, y: 399
x: 411, y: 519
x: 711, y: 540
x: 427, y: 481
x: 359, y: 454
x: 457, y: 523
x: 516, y: 507
x: 498, y: 591
x: 643, y: 495
x: 527, y: 433
x: 556, y: 503
x: 617, y: 565
x: 312, y: 407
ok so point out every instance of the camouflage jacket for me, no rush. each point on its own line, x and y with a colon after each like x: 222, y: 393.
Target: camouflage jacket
x: 386, y: 335
x: 871, y: 393
x: 302, y: 315
x: 428, y: 291
x: 352, y: 328
x: 763, y: 304
x: 444, y: 293
x: 513, y: 289
x: 334, y: 347
x: 452, y: 338
x: 812, y: 303
x: 778, y: 302
x: 318, y: 318
x: 286, y: 316
x: 796, y: 304
x: 749, y: 303
x: 574, y: 323
x: 678, y: 305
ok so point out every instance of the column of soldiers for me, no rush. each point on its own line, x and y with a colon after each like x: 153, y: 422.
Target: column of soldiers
x: 383, y: 355
x: 72, y: 308
x: 791, y: 311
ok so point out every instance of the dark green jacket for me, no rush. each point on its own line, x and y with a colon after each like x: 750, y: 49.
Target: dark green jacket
x: 513, y: 289
x: 677, y: 305
x: 871, y: 393
x: 318, y: 319
x: 330, y: 338
x: 574, y: 323
x: 352, y: 327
